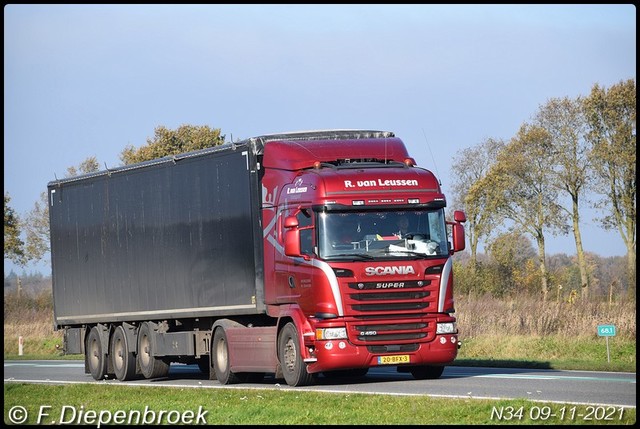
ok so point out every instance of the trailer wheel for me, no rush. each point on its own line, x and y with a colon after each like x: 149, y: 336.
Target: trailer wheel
x: 96, y: 358
x: 426, y: 372
x: 150, y: 366
x: 294, y: 370
x: 123, y: 360
x: 220, y: 356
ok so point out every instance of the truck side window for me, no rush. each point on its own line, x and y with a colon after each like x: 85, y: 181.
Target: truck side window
x: 305, y: 225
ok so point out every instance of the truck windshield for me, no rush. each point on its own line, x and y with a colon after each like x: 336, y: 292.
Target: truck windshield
x: 382, y: 234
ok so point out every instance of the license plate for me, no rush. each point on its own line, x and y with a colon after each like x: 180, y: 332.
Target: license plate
x: 392, y: 360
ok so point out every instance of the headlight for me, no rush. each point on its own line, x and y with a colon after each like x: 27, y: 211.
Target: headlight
x: 331, y: 333
x: 446, y: 328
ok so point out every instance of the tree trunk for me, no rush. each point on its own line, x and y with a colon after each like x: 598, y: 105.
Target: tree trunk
x: 543, y: 268
x: 582, y: 263
x: 631, y: 270
x: 474, y: 257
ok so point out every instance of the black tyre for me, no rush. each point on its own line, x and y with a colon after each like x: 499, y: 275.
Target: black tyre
x: 150, y: 366
x: 220, y: 356
x: 294, y: 370
x: 96, y: 358
x: 426, y: 372
x: 122, y: 359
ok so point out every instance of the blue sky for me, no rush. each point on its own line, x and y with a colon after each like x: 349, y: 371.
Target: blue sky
x: 88, y: 80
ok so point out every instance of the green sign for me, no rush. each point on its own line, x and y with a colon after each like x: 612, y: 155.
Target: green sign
x: 607, y: 330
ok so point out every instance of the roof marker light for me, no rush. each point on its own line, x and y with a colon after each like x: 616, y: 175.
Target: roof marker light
x: 409, y: 162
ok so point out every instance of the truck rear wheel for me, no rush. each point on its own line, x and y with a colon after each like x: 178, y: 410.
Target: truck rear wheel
x: 123, y: 360
x: 150, y: 366
x: 220, y: 356
x: 294, y: 370
x: 96, y: 358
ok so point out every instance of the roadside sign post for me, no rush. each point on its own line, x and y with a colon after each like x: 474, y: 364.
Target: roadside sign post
x: 607, y: 331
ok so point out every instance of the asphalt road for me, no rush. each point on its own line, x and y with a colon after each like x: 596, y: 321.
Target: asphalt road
x: 571, y: 387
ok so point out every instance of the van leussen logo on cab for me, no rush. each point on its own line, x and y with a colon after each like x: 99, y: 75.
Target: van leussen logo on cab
x: 387, y: 271
x: 297, y: 188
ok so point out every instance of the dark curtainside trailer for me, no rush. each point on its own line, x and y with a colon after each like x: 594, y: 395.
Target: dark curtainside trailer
x: 147, y: 242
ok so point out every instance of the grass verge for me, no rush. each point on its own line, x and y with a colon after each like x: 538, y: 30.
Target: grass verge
x: 84, y: 404
x: 549, y: 352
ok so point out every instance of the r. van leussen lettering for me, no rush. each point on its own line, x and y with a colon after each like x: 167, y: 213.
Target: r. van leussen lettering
x: 380, y: 183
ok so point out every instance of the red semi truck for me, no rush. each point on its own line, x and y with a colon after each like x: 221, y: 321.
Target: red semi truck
x: 297, y: 254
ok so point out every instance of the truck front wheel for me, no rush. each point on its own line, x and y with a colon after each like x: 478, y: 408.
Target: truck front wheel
x: 96, y: 358
x: 150, y: 366
x: 294, y: 370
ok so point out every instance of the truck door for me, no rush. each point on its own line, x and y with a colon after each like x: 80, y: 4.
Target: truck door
x: 293, y: 274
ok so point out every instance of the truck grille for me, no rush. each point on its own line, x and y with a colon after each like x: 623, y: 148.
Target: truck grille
x: 388, y: 295
x: 390, y: 330
x: 387, y: 315
x: 391, y: 306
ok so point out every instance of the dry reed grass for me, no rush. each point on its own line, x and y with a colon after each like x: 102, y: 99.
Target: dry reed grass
x: 30, y: 316
x: 530, y: 316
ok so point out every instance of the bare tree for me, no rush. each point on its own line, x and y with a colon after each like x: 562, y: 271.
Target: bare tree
x: 611, y: 114
x: 470, y: 166
x: 563, y: 120
x: 520, y: 190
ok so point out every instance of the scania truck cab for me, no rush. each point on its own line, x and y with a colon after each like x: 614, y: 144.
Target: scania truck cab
x: 361, y: 255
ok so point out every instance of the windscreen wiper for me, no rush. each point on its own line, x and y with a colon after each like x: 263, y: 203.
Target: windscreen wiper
x: 350, y: 255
